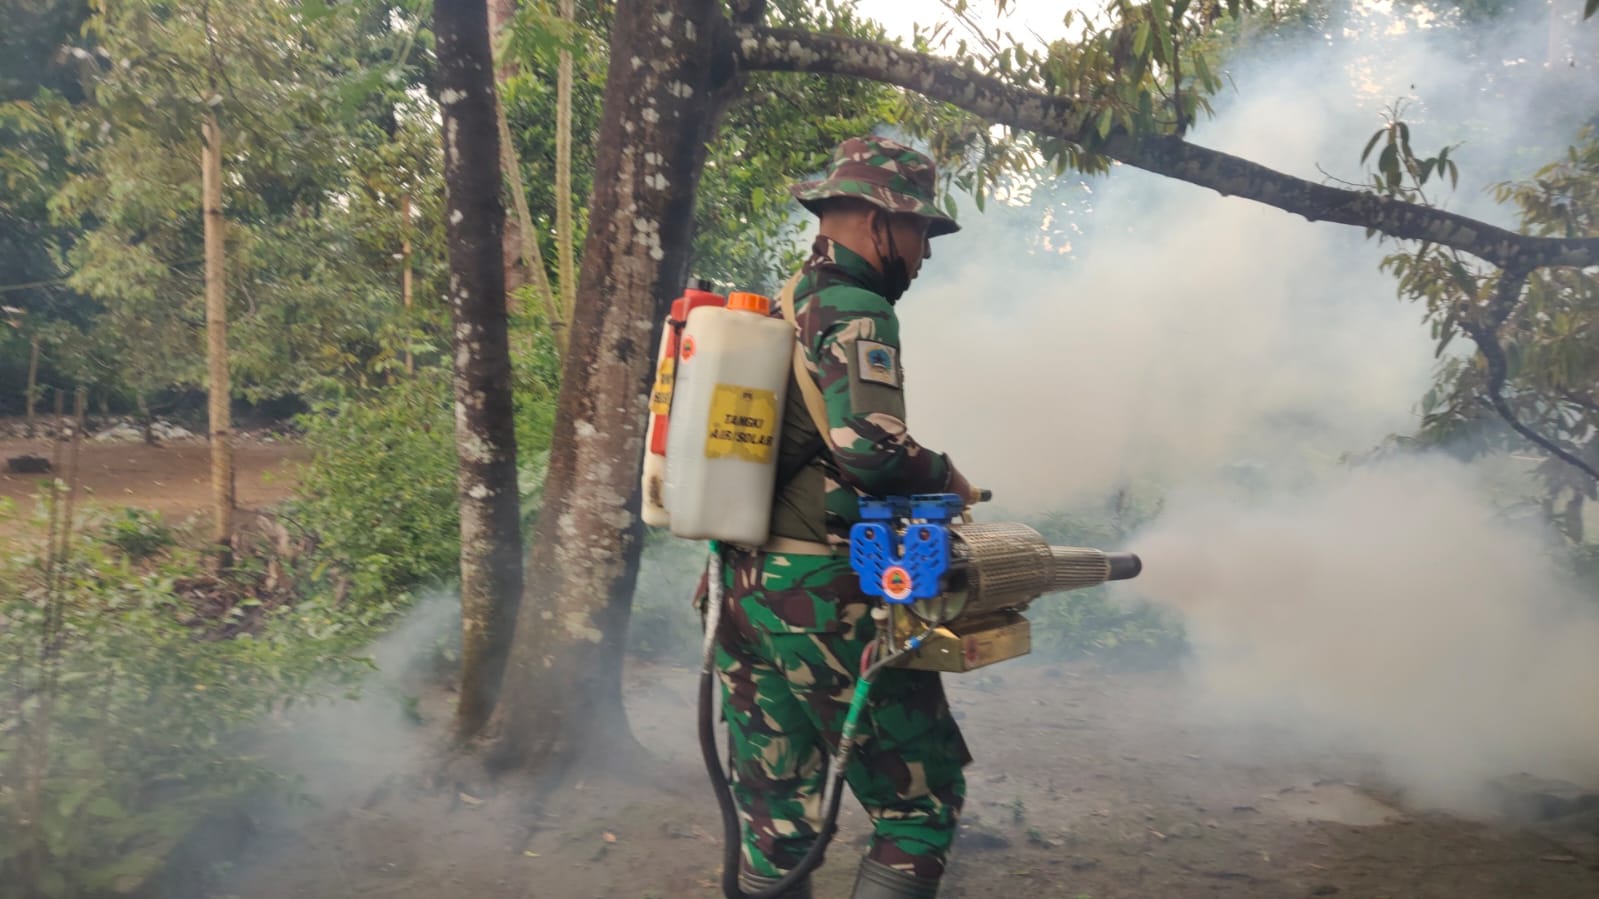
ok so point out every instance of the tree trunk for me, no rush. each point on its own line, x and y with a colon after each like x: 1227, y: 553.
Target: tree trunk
x: 491, y: 540
x: 216, y: 326
x: 516, y: 274
x: 33, y: 381
x: 562, y: 698
x: 567, y: 276
x: 405, y: 273
x: 524, y: 264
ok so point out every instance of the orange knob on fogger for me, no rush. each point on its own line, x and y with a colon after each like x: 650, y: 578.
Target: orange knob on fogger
x: 697, y: 294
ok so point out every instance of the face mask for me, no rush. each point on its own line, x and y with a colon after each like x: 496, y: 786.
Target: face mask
x: 896, y: 273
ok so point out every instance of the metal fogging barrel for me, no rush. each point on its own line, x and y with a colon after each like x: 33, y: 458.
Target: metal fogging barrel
x: 1004, y: 566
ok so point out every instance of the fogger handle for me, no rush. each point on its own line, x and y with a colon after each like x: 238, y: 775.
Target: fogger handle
x: 1124, y: 566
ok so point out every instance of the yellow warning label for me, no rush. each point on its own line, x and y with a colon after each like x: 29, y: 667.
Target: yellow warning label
x: 743, y: 424
x: 661, y: 393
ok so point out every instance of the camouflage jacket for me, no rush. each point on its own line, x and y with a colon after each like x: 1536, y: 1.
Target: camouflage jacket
x: 851, y: 339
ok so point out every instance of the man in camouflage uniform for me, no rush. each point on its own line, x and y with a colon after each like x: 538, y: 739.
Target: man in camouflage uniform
x: 791, y: 636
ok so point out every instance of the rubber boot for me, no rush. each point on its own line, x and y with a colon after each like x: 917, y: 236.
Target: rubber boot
x: 754, y: 883
x: 878, y: 881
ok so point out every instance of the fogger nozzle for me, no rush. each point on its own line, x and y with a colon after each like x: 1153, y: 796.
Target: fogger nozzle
x: 1076, y: 567
x: 1124, y: 566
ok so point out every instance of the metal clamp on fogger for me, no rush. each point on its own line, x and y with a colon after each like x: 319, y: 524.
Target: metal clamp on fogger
x: 953, y: 591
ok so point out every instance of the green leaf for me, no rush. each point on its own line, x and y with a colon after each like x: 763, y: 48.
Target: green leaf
x: 1141, y: 38
x: 1203, y: 68
x: 1388, y: 164
x: 1372, y: 143
x: 1103, y: 126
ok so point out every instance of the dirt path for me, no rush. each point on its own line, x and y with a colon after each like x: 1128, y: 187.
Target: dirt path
x: 173, y: 479
x: 1087, y: 784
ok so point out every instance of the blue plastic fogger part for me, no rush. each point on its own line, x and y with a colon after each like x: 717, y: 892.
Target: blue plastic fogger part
x: 900, y: 549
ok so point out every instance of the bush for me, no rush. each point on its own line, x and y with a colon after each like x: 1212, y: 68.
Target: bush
x: 139, y: 533
x: 120, y: 721
x: 379, y: 491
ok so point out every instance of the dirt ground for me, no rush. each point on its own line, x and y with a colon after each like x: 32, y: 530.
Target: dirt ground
x: 173, y: 478
x: 1088, y: 783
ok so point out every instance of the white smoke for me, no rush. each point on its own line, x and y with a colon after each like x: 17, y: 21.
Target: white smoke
x: 1393, y: 611
x: 1186, y: 337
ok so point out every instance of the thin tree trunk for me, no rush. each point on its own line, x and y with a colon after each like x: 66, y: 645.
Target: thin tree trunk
x: 491, y: 544
x: 531, y: 262
x: 216, y: 322
x: 405, y: 273
x: 563, y: 175
x: 524, y: 262
x: 33, y: 380
x: 562, y: 700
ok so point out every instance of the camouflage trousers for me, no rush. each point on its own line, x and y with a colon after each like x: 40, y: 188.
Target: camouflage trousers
x: 788, y: 650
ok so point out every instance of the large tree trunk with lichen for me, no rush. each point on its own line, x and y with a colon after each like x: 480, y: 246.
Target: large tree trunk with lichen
x: 563, y: 687
x: 491, y: 538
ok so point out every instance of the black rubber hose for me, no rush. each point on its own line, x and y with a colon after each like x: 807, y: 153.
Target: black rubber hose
x: 731, y: 831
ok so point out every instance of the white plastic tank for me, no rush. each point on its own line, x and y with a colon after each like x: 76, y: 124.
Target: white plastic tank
x: 727, y: 407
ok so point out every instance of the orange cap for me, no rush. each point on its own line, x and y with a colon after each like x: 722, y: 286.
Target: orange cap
x: 739, y: 301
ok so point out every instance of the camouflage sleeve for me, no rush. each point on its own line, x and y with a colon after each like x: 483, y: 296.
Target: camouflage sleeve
x: 854, y: 354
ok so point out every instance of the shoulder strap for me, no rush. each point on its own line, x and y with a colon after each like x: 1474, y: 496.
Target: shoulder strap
x: 814, y: 404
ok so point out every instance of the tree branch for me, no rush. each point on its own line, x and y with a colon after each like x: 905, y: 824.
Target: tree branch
x: 798, y: 50
x: 1486, y: 336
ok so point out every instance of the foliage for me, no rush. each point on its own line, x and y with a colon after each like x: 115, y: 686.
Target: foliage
x: 1535, y: 367
x: 1137, y: 69
x: 781, y: 130
x: 380, y: 489
x: 138, y: 533
x: 120, y: 722
x: 38, y: 90
x: 323, y: 138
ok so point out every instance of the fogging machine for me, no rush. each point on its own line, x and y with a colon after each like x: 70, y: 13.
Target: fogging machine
x: 953, y: 591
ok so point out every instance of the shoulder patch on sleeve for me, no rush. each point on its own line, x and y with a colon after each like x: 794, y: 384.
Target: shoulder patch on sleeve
x: 877, y: 362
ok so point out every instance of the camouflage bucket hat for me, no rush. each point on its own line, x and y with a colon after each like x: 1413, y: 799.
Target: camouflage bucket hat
x: 884, y: 173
